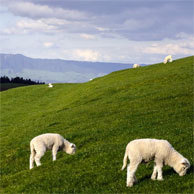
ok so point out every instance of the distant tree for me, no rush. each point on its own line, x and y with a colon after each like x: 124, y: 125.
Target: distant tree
x: 21, y: 80
x: 4, y: 79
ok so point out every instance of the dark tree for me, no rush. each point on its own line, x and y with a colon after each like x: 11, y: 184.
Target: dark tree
x: 4, y: 79
x: 20, y: 80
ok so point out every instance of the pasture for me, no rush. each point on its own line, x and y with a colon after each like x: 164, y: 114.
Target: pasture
x: 100, y: 117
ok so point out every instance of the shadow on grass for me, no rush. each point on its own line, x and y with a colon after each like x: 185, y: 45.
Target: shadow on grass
x: 144, y: 178
x: 191, y: 170
x: 171, y: 171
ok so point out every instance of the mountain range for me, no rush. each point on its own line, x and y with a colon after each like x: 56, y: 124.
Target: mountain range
x: 55, y: 70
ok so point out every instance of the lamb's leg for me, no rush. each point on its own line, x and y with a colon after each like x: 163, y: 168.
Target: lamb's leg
x: 54, y: 152
x: 154, y: 174
x: 131, y: 169
x: 160, y: 177
x: 159, y: 165
x: 32, y: 155
x: 32, y: 160
x: 38, y: 156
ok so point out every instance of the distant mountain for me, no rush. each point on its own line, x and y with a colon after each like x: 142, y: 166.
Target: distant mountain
x: 55, y: 70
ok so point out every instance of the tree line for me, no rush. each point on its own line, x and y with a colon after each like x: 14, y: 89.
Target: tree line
x: 20, y: 80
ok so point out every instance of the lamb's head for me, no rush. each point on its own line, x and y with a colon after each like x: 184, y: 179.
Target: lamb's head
x: 69, y: 148
x: 182, y: 167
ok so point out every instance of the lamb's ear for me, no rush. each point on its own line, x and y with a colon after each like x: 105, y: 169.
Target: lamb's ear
x: 65, y: 142
x: 185, y: 163
x: 72, y: 145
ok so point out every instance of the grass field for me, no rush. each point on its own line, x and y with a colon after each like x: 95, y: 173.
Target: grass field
x: 100, y: 117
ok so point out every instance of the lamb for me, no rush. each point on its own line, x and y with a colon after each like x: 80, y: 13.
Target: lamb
x: 167, y: 59
x: 144, y: 150
x: 48, y: 141
x: 50, y: 85
x: 136, y: 65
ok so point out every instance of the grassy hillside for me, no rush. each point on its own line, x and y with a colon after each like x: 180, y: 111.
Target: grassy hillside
x: 100, y: 117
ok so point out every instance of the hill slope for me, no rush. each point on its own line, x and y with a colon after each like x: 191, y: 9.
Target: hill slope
x: 100, y: 117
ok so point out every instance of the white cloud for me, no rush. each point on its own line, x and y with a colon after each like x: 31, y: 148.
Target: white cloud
x: 86, y: 54
x: 87, y: 36
x: 132, y: 20
x: 35, y: 25
x: 123, y: 36
x: 48, y: 44
x: 171, y: 48
x: 101, y: 29
x: 47, y: 25
x: 29, y: 9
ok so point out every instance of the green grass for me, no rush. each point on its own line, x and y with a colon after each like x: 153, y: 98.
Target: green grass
x: 100, y: 117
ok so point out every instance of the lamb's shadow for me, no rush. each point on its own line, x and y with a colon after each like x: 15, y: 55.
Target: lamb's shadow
x: 144, y: 178
x: 191, y: 170
x: 171, y: 171
x: 167, y: 172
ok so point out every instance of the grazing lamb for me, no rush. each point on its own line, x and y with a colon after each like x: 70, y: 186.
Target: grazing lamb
x: 144, y: 150
x: 48, y: 141
x: 136, y: 65
x: 168, y: 59
x: 50, y: 85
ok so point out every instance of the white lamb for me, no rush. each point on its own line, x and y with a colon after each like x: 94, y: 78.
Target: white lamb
x: 144, y: 150
x: 167, y: 59
x: 49, y: 141
x: 136, y: 65
x: 50, y: 85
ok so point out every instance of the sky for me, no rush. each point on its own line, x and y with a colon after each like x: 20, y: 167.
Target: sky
x: 124, y: 31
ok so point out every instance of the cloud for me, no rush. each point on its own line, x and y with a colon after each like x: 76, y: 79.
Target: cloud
x: 86, y: 54
x: 120, y: 31
x: 100, y: 29
x: 36, y: 25
x: 87, y: 36
x: 129, y: 19
x: 181, y: 47
x: 34, y: 10
x: 48, y: 44
x: 168, y: 49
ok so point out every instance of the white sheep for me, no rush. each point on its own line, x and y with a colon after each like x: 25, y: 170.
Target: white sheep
x: 167, y: 59
x: 48, y: 141
x: 144, y: 150
x: 136, y: 65
x: 50, y: 85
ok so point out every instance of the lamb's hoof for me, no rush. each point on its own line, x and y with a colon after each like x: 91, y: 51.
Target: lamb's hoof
x: 153, y: 178
x: 129, y: 184
x: 160, y: 179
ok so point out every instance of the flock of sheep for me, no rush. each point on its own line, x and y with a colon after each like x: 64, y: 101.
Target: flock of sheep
x: 137, y: 151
